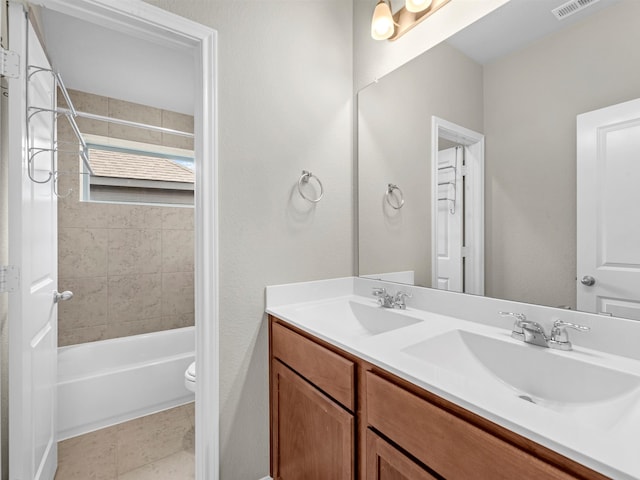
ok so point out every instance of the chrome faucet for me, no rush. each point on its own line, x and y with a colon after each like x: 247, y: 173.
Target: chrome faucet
x: 559, y: 336
x: 533, y: 333
x: 399, y: 301
x: 386, y: 300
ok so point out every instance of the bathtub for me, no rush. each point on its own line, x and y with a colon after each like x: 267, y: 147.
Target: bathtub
x: 112, y: 381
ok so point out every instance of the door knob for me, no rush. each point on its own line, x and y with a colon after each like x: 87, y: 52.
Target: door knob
x: 59, y: 297
x: 588, y: 280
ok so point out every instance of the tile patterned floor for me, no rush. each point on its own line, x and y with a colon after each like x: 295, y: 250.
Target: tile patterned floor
x: 158, y: 446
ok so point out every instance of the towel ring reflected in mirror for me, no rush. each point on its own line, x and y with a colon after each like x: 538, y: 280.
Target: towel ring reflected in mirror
x: 304, y: 179
x: 389, y: 194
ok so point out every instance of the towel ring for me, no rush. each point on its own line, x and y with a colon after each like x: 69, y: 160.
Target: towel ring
x: 304, y: 178
x: 390, y: 188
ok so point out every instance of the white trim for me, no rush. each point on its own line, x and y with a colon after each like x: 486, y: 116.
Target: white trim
x: 140, y: 183
x: 474, y: 201
x: 91, y: 139
x: 145, y: 21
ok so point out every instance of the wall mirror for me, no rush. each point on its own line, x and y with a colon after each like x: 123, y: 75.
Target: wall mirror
x: 520, y: 77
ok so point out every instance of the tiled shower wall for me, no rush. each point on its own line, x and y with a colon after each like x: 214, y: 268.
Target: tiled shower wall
x: 130, y: 267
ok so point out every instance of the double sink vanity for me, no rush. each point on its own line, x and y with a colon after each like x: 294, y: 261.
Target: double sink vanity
x: 452, y: 386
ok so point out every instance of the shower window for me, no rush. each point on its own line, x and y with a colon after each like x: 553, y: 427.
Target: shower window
x: 154, y: 175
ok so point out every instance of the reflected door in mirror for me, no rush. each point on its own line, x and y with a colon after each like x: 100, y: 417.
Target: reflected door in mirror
x: 608, y: 264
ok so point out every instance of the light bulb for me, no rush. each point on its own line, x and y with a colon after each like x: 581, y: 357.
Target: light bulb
x: 382, y: 26
x: 417, y: 5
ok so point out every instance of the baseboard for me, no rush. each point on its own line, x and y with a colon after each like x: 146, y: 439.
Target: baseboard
x: 266, y: 478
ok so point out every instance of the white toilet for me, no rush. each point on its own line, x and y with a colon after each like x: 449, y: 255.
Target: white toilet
x: 190, y: 377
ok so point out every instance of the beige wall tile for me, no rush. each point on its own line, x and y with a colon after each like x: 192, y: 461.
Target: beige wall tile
x: 138, y: 326
x: 134, y: 296
x: 134, y: 216
x: 68, y: 156
x: 177, y: 250
x: 134, y: 251
x: 177, y: 121
x: 151, y: 438
x: 90, y: 456
x: 86, y: 102
x: 135, y: 113
x: 179, y: 320
x: 82, y: 252
x: 88, y: 307
x: 73, y: 213
x: 78, y: 335
x: 117, y: 248
x: 177, y: 293
x: 177, y: 218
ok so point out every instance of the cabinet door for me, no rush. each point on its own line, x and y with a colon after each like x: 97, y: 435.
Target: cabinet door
x: 313, y: 437
x: 449, y: 445
x: 385, y: 462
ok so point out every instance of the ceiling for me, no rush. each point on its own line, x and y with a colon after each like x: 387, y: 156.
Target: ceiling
x: 97, y: 60
x: 515, y: 25
x: 110, y: 63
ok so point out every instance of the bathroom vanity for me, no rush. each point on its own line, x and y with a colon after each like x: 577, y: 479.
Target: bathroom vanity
x: 358, y: 391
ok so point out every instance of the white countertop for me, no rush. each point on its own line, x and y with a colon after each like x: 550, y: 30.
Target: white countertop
x: 606, y: 444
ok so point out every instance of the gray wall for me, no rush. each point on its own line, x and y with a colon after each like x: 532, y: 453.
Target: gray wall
x: 285, y: 104
x: 394, y: 146
x: 130, y: 266
x: 532, y: 98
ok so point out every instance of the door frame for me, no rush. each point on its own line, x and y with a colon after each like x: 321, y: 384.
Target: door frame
x: 473, y: 143
x: 148, y: 22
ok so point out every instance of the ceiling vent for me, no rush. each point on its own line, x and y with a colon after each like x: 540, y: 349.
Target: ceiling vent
x: 569, y: 8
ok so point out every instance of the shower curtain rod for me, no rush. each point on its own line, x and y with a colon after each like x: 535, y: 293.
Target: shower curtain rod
x: 128, y: 123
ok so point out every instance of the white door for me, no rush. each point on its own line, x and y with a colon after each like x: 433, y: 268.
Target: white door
x: 33, y: 249
x: 608, y: 195
x: 450, y: 219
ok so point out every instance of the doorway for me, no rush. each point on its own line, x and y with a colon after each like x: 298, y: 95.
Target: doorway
x: 457, y: 221
x: 142, y: 21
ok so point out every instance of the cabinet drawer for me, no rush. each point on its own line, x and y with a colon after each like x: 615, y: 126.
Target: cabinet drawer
x: 330, y: 372
x: 449, y: 445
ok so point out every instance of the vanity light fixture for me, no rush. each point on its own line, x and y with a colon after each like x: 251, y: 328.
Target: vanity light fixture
x: 417, y: 5
x: 386, y: 25
x: 382, y: 26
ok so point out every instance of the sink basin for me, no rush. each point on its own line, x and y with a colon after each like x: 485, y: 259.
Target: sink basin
x: 534, y: 374
x: 346, y: 318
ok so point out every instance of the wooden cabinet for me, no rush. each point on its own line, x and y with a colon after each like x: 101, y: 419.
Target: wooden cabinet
x: 449, y: 445
x: 385, y: 462
x: 313, y: 436
x: 312, y: 399
x: 330, y: 372
x: 335, y: 416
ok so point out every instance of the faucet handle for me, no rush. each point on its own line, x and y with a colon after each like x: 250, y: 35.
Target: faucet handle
x: 520, y: 317
x: 399, y: 299
x: 402, y: 295
x: 559, y: 332
x: 379, y: 291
